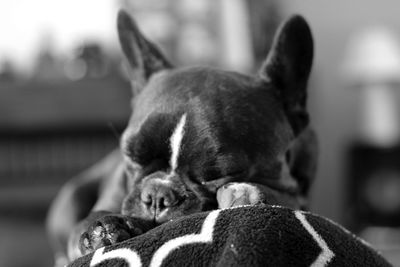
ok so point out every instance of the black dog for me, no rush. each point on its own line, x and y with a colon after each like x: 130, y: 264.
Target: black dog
x: 198, y: 139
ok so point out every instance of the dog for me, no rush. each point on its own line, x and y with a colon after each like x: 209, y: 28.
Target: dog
x: 198, y: 139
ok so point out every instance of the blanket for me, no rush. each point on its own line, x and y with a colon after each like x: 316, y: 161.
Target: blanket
x: 242, y: 236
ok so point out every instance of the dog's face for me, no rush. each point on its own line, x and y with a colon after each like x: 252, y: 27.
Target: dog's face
x: 193, y: 130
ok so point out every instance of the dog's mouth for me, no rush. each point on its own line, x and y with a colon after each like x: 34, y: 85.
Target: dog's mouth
x: 160, y: 215
x: 168, y: 214
x: 185, y: 208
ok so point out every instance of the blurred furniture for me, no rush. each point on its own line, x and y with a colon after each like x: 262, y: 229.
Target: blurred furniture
x: 50, y: 131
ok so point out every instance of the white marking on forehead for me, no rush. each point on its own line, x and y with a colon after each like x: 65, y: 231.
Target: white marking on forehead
x: 175, y: 142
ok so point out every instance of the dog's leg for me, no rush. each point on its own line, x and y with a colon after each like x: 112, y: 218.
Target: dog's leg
x: 110, y: 228
x: 74, y: 202
x: 111, y: 193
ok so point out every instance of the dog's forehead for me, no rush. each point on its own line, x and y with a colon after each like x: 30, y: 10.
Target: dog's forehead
x: 201, y: 78
x: 199, y: 90
x: 188, y: 83
x: 225, y: 111
x: 171, y: 91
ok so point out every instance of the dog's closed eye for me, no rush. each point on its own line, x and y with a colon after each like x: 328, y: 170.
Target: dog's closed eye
x: 214, y: 185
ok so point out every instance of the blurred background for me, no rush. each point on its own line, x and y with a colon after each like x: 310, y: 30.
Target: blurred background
x: 64, y: 99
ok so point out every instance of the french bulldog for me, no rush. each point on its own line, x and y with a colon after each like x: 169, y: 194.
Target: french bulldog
x: 198, y: 139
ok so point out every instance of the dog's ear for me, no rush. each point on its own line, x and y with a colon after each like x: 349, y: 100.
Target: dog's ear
x: 288, y: 66
x: 144, y: 57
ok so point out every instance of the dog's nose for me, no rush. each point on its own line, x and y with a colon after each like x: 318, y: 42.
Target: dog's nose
x: 158, y: 195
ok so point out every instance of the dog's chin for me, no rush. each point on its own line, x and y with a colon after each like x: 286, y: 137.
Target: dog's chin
x: 159, y: 218
x: 171, y: 213
x: 167, y: 215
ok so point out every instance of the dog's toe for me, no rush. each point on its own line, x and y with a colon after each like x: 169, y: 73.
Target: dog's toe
x: 104, y: 232
x: 237, y: 194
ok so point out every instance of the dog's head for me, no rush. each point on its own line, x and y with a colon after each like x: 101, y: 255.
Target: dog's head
x: 195, y: 129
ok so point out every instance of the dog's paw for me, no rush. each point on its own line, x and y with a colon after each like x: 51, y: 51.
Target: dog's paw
x: 238, y: 194
x: 109, y: 230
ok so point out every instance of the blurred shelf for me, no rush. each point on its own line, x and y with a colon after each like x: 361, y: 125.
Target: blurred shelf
x: 29, y: 203
x: 51, y: 157
x: 50, y: 132
x: 35, y: 105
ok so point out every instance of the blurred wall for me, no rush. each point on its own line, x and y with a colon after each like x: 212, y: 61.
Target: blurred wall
x: 334, y: 108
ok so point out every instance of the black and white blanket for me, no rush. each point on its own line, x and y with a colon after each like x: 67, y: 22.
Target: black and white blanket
x: 243, y: 236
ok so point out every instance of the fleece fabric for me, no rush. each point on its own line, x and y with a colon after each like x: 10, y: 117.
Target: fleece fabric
x: 242, y: 236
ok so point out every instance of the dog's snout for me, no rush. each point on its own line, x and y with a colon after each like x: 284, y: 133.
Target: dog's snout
x: 158, y: 195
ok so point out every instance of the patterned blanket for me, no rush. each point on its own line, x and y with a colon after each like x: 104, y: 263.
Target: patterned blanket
x: 243, y: 236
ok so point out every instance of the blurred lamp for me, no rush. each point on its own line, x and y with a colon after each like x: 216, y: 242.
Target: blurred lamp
x: 372, y: 65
